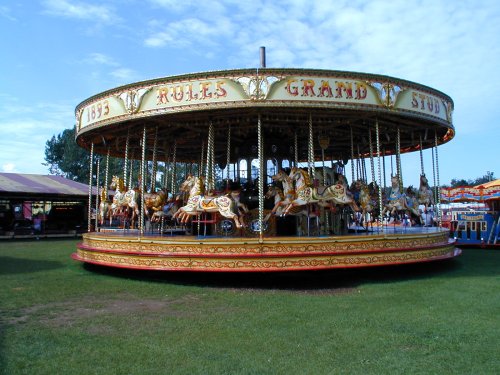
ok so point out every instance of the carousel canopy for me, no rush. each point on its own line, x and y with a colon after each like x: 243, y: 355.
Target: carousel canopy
x: 343, y: 108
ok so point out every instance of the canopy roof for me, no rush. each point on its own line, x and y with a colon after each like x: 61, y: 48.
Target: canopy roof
x: 35, y: 186
x: 484, y: 192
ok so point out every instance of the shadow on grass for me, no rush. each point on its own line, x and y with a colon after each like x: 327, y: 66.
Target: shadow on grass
x: 341, y: 280
x: 10, y: 265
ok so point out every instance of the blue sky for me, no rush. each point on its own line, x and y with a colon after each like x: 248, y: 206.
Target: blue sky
x: 56, y: 53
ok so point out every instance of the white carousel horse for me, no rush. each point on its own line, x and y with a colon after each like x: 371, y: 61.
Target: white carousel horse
x: 198, y: 202
x: 278, y: 195
x: 324, y: 196
x: 288, y: 192
x: 123, y: 199
x: 424, y: 194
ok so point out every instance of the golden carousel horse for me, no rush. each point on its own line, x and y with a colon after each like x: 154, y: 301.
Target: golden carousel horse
x: 367, y: 197
x: 104, y: 207
x: 424, y: 194
x: 324, y: 196
x: 154, y: 202
x: 123, y: 199
x: 198, y: 203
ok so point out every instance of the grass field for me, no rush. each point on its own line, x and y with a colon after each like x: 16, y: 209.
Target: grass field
x: 58, y: 316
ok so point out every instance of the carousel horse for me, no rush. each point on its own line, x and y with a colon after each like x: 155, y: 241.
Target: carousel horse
x: 103, y: 207
x: 288, y: 192
x: 329, y: 174
x: 324, y: 196
x: 412, y: 202
x: 123, y: 199
x: 241, y: 207
x: 154, y: 202
x: 167, y: 211
x: 278, y: 195
x: 198, y: 203
x: 397, y: 201
x: 424, y: 194
x: 368, y: 197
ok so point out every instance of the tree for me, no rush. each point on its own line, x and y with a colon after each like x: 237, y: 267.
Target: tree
x: 489, y: 176
x: 65, y: 158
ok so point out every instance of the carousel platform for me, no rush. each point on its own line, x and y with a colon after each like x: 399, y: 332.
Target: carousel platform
x: 171, y: 252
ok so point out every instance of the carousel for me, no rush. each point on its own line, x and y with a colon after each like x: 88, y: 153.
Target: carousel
x: 263, y: 170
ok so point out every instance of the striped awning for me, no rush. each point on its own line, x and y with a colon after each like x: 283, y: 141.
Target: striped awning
x: 35, y: 184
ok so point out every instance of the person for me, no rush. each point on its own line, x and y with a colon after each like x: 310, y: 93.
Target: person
x: 37, y: 225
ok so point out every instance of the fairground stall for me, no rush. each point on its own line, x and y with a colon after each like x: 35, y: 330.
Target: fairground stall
x: 264, y: 170
x: 473, y: 214
x: 37, y: 206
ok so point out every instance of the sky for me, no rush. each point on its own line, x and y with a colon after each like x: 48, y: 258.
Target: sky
x: 57, y: 53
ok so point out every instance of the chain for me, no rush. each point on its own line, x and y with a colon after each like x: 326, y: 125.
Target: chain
x: 310, y: 158
x: 352, y: 156
x: 228, y: 152
x: 372, y: 163
x: 155, y: 167
x: 421, y: 157
x: 142, y: 180
x: 174, y: 170
x: 165, y: 171
x: 260, y: 142
x: 296, y: 150
x: 90, y: 187
x: 202, y: 162
x: 106, y: 175
x: 97, y: 195
x: 377, y: 138
x: 398, y: 160
x: 210, y: 154
x: 438, y: 186
x: 127, y: 142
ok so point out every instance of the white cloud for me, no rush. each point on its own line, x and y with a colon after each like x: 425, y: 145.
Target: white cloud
x: 100, y: 59
x: 5, y: 12
x: 80, y: 10
x: 9, y: 167
x: 124, y: 74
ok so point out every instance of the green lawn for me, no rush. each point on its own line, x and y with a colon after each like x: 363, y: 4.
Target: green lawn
x: 58, y: 316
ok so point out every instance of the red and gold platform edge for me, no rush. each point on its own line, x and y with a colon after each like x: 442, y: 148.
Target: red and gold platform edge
x: 286, y: 254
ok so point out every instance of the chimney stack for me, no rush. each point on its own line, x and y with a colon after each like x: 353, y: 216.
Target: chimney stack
x: 262, y: 57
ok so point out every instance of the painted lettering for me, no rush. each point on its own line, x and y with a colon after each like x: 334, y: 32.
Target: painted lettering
x: 308, y: 87
x: 342, y: 87
x: 220, y: 92
x: 191, y: 95
x: 161, y: 96
x: 325, y: 90
x: 425, y: 102
x: 361, y: 91
x: 177, y: 93
x: 204, y: 90
x: 292, y: 90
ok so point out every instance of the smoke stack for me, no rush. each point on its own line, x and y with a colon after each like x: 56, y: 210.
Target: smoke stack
x: 262, y: 57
